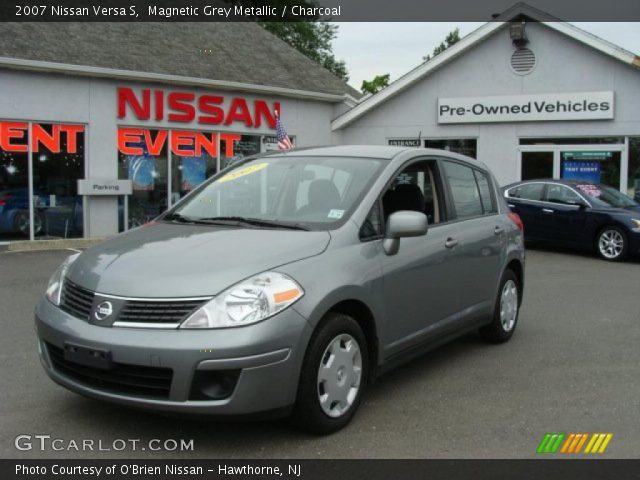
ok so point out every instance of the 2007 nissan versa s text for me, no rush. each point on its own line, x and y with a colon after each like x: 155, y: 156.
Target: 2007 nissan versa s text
x: 286, y: 283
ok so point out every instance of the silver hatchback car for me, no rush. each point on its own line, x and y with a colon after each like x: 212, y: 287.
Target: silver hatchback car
x: 286, y: 283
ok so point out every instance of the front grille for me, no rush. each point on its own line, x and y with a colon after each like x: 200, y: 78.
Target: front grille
x: 150, y: 382
x: 139, y: 311
x: 76, y: 300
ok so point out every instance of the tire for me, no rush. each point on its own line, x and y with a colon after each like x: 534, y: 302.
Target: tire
x: 325, y: 405
x: 21, y: 222
x: 505, y: 312
x: 612, y: 244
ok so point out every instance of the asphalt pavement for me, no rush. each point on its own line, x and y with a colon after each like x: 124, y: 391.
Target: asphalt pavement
x: 573, y: 365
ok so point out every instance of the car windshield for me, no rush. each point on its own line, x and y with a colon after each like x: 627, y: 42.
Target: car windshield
x: 603, y: 196
x: 309, y: 193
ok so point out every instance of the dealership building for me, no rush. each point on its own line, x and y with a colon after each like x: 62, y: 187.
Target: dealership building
x: 103, y: 128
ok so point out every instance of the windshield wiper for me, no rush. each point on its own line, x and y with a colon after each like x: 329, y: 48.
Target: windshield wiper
x: 176, y: 217
x: 258, y: 222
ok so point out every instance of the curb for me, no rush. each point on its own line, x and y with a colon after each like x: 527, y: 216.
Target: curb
x: 62, y: 244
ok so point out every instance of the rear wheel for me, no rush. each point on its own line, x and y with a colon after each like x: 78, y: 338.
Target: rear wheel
x: 611, y: 244
x: 334, y: 374
x: 21, y: 222
x: 506, y: 310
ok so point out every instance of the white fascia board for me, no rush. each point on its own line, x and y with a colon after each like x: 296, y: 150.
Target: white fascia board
x: 116, y: 74
x: 596, y: 42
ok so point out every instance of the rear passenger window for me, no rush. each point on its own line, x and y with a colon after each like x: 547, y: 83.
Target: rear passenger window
x: 528, y: 191
x: 462, y: 182
x: 486, y: 193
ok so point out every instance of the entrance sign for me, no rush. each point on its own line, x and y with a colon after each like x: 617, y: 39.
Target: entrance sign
x: 527, y: 108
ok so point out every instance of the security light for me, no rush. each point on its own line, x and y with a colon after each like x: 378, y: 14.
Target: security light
x: 517, y: 34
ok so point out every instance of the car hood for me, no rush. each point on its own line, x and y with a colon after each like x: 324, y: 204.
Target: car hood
x: 176, y: 260
x: 633, y: 210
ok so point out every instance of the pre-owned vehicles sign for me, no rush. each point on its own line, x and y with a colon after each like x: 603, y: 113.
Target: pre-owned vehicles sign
x: 527, y: 108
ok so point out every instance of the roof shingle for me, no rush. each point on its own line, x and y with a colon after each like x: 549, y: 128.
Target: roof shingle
x: 236, y: 52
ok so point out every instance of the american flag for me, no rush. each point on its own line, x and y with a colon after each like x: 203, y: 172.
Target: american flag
x: 284, y: 142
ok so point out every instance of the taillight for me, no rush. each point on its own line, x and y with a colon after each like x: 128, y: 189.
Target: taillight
x: 515, y: 218
x: 4, y: 200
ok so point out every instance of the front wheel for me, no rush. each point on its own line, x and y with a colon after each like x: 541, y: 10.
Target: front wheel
x: 505, y: 314
x: 334, y: 374
x: 611, y: 244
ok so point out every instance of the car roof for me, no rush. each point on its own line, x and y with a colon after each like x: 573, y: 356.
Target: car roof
x: 561, y: 181
x: 383, y: 152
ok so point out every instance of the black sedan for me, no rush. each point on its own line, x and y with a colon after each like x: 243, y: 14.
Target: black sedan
x: 577, y: 214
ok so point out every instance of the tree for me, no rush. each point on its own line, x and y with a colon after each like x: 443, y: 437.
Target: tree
x: 376, y: 84
x: 452, y: 38
x: 312, y: 39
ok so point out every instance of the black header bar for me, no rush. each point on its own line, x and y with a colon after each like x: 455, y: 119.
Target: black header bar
x: 304, y: 10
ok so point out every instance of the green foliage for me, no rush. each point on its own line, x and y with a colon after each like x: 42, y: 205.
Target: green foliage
x: 452, y: 38
x: 313, y: 39
x: 376, y: 84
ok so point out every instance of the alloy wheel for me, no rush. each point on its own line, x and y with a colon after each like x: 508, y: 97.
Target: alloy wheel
x: 611, y: 244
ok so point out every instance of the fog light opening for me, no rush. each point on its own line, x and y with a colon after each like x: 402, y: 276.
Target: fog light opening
x: 213, y: 384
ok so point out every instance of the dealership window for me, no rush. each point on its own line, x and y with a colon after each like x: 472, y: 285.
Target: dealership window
x: 56, y: 155
x: 243, y: 146
x: 14, y: 180
x: 194, y: 158
x: 143, y: 160
x: 58, y: 164
x: 463, y: 146
x: 633, y: 183
x: 592, y: 166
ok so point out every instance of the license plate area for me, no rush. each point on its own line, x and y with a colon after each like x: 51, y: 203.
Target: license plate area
x: 91, y: 357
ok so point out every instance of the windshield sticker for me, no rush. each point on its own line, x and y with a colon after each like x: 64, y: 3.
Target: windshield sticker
x: 242, y: 172
x: 591, y: 190
x: 336, y: 214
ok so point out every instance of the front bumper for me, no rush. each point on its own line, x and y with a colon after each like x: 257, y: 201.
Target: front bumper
x: 266, y: 359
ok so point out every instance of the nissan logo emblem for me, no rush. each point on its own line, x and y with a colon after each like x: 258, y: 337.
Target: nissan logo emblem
x: 103, y: 310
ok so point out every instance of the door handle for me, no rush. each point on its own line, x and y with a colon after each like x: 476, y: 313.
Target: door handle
x: 547, y: 210
x: 511, y: 205
x: 498, y: 230
x: 450, y: 242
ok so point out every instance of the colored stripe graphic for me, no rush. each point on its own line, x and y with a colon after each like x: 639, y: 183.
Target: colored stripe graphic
x: 573, y: 443
x: 551, y: 442
x: 598, y: 443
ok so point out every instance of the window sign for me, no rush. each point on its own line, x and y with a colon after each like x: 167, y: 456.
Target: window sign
x: 581, y: 170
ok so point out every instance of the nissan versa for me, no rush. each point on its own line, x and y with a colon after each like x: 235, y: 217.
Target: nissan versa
x: 286, y: 283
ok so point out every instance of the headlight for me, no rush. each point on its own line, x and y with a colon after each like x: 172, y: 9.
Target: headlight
x: 636, y: 223
x: 247, y: 302
x: 54, y: 288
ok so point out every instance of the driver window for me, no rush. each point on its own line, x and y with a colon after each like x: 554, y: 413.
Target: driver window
x: 415, y: 188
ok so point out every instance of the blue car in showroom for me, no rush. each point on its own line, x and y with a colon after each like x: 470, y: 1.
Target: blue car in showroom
x: 577, y: 214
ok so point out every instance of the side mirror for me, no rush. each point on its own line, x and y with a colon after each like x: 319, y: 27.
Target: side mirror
x: 405, y: 223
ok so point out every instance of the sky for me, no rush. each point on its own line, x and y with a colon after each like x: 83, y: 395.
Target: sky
x: 370, y: 49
